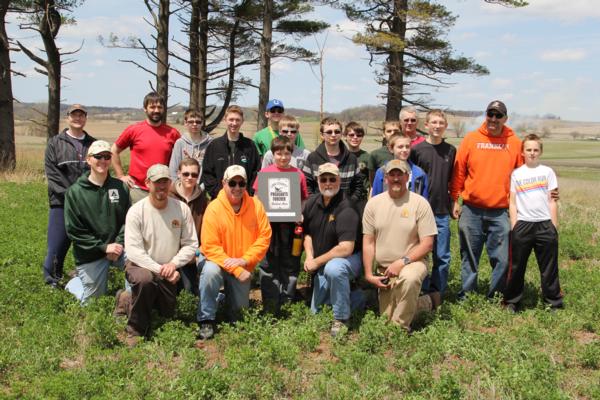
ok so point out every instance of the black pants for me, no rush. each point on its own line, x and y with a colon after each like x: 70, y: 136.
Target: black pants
x: 542, y: 238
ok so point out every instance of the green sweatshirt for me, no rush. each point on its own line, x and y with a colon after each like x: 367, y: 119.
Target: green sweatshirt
x: 95, y: 216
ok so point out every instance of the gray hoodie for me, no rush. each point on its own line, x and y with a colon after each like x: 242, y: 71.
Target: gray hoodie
x: 185, y: 147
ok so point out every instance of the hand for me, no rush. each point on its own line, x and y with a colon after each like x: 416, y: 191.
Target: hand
x: 555, y: 195
x: 393, y: 270
x: 174, y: 278
x: 128, y: 180
x: 114, y: 248
x: 167, y: 271
x: 456, y: 209
x: 244, y: 276
x: 112, y: 257
x: 310, y: 265
x: 376, y: 280
x: 234, y: 262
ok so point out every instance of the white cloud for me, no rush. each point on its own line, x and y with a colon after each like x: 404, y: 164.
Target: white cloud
x: 482, y: 55
x: 342, y: 52
x: 345, y: 88
x: 509, y: 38
x: 281, y: 66
x: 501, y: 83
x: 563, y: 55
x: 90, y: 28
x: 98, y: 62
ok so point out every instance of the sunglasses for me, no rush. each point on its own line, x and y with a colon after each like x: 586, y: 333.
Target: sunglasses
x: 194, y: 122
x: 105, y: 157
x: 232, y: 183
x: 354, y: 135
x: 188, y: 174
x: 413, y: 120
x: 276, y: 110
x: 331, y: 179
x: 330, y: 132
x: 494, y: 114
x: 290, y: 131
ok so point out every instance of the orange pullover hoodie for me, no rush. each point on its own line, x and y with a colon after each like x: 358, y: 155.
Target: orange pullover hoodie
x: 226, y: 234
x: 482, y: 168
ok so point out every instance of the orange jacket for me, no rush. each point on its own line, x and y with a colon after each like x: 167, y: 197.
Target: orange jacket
x: 482, y: 168
x: 226, y: 234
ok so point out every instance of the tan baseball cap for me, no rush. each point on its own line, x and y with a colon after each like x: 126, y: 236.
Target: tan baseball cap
x: 328, y: 168
x: 233, y: 171
x: 99, y: 146
x: 158, y: 171
x: 76, y: 107
x: 397, y: 164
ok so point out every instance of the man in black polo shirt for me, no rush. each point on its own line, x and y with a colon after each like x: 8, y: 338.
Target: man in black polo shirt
x: 332, y: 244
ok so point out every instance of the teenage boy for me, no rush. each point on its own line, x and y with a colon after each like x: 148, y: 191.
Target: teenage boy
x: 274, y: 112
x: 534, y: 222
x: 399, y: 146
x: 64, y: 162
x: 190, y: 145
x: 95, y: 210
x: 150, y: 142
x: 408, y: 123
x: 436, y: 157
x: 382, y: 155
x: 279, y: 275
x: 230, y: 149
x: 354, y: 134
x: 290, y: 128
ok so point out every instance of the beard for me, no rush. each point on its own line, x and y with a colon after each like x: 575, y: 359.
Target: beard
x: 330, y: 192
x: 154, y: 117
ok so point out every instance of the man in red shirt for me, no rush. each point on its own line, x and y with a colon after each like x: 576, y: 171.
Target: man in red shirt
x: 150, y: 142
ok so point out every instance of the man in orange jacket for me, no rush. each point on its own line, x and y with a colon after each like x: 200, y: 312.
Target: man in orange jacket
x: 235, y: 237
x: 481, y: 176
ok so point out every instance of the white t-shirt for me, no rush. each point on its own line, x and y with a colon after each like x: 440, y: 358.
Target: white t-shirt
x: 531, y: 186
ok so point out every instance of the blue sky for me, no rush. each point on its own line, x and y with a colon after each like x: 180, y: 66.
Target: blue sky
x: 542, y: 59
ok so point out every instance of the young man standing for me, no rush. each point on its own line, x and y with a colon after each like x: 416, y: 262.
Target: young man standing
x: 191, y: 145
x: 263, y: 138
x: 150, y: 141
x: 95, y: 210
x: 64, y: 163
x: 354, y: 134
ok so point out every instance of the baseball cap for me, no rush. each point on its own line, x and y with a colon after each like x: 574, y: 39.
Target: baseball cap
x: 99, y: 146
x: 76, y: 107
x: 233, y: 171
x: 328, y: 168
x: 397, y: 164
x: 158, y: 171
x: 498, y: 106
x: 274, y: 103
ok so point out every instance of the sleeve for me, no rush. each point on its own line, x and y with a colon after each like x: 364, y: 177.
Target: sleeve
x: 425, y: 220
x: 378, y: 182
x: 311, y: 182
x: 188, y: 239
x: 212, y: 246
x: 300, y: 141
x: 459, y: 172
x: 368, y: 221
x: 260, y: 147
x: 255, y: 183
x: 371, y: 162
x: 134, y: 241
x: 125, y: 139
x: 425, y: 185
x: 175, y: 160
x: 53, y: 173
x: 77, y: 230
x: 127, y: 204
x: 209, y: 174
x: 254, y: 166
x: 356, y: 186
x: 346, y: 225
x: 258, y: 249
x: 267, y: 159
x: 513, y: 182
x: 303, y: 187
x: 552, y: 181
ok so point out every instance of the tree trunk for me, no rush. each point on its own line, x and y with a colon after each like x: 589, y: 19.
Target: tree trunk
x: 203, y: 58
x: 395, y: 63
x: 49, y: 27
x: 194, y: 53
x: 162, y: 51
x: 265, y: 63
x: 7, y: 121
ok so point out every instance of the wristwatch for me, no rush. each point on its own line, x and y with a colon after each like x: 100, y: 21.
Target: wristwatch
x: 406, y: 260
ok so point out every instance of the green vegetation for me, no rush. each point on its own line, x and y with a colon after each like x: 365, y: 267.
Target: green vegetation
x: 53, y: 348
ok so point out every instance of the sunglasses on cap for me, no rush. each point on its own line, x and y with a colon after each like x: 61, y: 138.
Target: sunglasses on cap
x: 290, y: 131
x: 330, y: 179
x: 496, y: 114
x: 331, y: 132
x: 105, y: 157
x: 188, y: 174
x: 231, y: 183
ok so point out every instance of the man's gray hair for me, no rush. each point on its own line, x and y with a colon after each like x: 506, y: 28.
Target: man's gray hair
x: 407, y: 110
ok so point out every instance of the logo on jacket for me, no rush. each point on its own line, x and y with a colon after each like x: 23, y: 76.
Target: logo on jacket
x: 113, y: 195
x: 243, y: 159
x: 331, y: 218
x: 175, y: 224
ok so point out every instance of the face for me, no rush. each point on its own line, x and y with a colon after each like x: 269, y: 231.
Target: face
x: 234, y: 122
x: 495, y: 121
x: 354, y: 139
x: 154, y: 112
x: 159, y: 190
x: 99, y: 163
x: 531, y: 151
x: 288, y: 131
x: 282, y: 158
x: 193, y: 125
x: 331, y: 134
x: 396, y: 181
x: 401, y: 148
x: 188, y: 175
x: 234, y: 189
x: 408, y: 123
x: 389, y: 130
x: 436, y: 126
x: 77, y: 119
x: 329, y: 184
x: 274, y: 114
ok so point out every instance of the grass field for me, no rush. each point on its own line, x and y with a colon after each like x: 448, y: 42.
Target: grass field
x: 53, y: 348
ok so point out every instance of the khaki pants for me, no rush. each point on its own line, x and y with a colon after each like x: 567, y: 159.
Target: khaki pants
x: 401, y: 302
x: 136, y: 194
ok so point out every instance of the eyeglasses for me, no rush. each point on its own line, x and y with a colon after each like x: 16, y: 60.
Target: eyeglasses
x: 194, y: 122
x: 188, y: 174
x: 413, y: 120
x: 355, y: 135
x: 494, y: 114
x: 289, y: 131
x: 331, y: 132
x: 331, y: 179
x: 276, y: 110
x: 232, y: 183
x: 105, y: 157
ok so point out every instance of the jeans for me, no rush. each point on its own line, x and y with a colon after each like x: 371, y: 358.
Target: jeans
x: 438, y: 282
x: 477, y: 226
x: 94, y: 276
x: 58, y: 245
x: 331, y: 285
x: 237, y: 294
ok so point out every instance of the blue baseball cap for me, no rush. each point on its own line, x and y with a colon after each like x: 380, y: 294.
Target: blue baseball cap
x: 274, y: 103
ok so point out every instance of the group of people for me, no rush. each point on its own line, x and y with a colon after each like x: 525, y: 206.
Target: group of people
x: 185, y: 215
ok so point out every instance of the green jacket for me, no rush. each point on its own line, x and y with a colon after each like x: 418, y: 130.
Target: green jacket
x: 263, y: 139
x: 95, y: 216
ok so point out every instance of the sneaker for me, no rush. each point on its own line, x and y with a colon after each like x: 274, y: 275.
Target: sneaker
x: 436, y: 300
x: 122, y: 303
x: 339, y: 328
x: 132, y: 340
x: 206, y: 330
x: 511, y: 307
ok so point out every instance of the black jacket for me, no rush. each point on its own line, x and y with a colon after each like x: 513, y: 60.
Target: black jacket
x: 218, y: 157
x: 63, y: 165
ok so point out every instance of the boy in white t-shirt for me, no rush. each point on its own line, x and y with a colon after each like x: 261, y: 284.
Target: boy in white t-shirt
x: 534, y: 222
